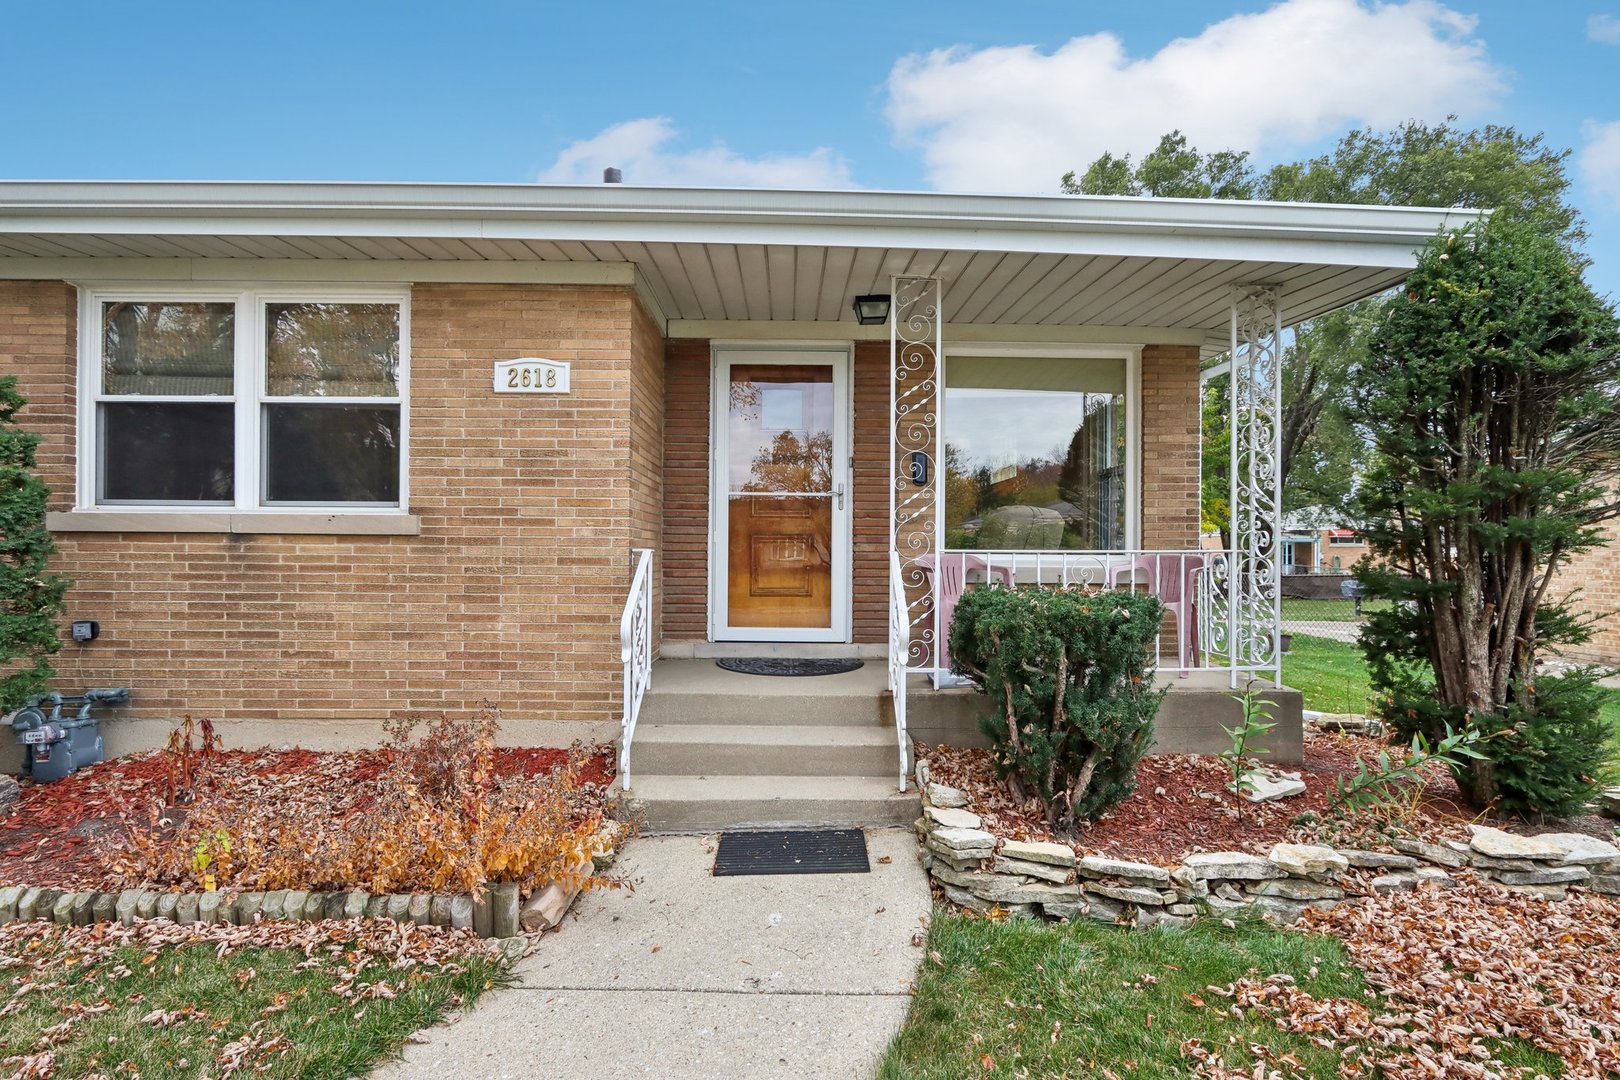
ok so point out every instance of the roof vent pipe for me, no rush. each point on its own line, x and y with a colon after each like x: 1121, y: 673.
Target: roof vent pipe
x: 610, y: 175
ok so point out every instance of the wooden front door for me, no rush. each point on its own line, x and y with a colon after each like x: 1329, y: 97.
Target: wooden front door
x: 781, y: 506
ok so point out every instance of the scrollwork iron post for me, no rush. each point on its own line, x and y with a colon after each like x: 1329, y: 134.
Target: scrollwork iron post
x: 915, y: 510
x: 1254, y: 608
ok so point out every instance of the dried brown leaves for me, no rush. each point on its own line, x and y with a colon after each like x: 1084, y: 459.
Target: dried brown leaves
x: 34, y: 957
x: 1457, y: 974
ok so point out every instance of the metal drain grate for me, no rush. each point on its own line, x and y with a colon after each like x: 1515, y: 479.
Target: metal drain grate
x: 792, y: 851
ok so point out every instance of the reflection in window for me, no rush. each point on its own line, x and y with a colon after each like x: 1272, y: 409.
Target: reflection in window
x: 331, y: 350
x: 1034, y: 453
x: 331, y: 454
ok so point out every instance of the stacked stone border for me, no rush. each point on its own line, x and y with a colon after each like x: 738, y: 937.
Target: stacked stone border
x: 978, y: 870
x: 495, y: 912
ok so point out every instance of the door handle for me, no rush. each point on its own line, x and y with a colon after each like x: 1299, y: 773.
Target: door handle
x: 838, y: 496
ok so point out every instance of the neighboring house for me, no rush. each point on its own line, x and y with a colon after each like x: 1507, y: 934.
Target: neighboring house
x: 1594, y: 578
x: 1314, y: 544
x: 324, y: 455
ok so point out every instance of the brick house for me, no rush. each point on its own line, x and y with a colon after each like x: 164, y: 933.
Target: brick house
x: 325, y: 454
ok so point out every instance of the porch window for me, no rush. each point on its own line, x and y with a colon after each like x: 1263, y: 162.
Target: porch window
x: 1035, y: 453
x: 249, y: 401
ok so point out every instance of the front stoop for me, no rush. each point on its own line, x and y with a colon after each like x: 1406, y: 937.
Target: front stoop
x: 715, y: 749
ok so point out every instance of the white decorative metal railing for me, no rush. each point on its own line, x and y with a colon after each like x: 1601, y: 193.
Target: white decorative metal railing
x: 1254, y: 588
x: 1193, y: 586
x: 899, y: 662
x: 916, y: 510
x: 635, y: 652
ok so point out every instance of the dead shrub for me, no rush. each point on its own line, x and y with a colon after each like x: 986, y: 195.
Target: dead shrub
x: 441, y: 820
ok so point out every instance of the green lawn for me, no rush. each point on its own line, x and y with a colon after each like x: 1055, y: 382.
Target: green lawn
x: 1333, y: 677
x: 1331, y: 674
x: 1022, y: 998
x: 175, y: 1010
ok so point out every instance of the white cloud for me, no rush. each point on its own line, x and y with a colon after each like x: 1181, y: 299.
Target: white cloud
x: 1015, y: 118
x: 642, y: 149
x: 1599, y: 159
x: 1603, y: 29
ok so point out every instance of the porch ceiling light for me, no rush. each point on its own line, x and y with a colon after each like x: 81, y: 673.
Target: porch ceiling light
x: 872, y: 310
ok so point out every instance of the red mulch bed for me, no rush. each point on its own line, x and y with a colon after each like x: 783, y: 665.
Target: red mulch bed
x: 47, y: 840
x: 1181, y: 803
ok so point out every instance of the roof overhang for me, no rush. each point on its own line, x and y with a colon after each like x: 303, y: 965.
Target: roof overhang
x: 715, y: 255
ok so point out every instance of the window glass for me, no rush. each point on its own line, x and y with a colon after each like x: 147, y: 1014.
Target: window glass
x: 331, y: 350
x: 1034, y: 453
x: 168, y: 349
x: 331, y: 453
x: 168, y: 452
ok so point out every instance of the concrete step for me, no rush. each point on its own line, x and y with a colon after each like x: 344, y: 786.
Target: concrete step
x: 698, y: 692
x: 707, y: 803
x: 776, y: 749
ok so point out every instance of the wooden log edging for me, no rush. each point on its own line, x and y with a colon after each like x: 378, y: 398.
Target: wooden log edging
x: 978, y: 870
x: 496, y: 913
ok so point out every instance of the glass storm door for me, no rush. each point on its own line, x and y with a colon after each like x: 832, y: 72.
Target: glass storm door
x: 781, y: 512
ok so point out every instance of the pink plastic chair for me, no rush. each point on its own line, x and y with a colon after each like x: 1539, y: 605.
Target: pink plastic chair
x: 1172, y: 579
x: 952, y: 584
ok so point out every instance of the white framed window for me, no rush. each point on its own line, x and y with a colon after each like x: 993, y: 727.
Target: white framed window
x: 270, y: 399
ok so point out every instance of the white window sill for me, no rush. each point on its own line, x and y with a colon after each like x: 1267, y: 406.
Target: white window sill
x: 226, y: 521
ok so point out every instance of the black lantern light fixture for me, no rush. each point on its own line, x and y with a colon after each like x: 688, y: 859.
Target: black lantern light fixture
x: 872, y: 310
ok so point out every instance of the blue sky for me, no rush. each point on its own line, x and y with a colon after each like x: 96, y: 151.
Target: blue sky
x: 957, y: 96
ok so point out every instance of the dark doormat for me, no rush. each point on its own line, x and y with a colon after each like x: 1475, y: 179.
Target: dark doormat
x: 787, y: 665
x: 792, y: 851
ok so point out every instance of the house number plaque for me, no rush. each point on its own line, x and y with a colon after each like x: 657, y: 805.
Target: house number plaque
x: 531, y: 375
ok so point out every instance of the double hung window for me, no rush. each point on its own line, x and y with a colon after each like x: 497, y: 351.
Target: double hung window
x: 251, y: 400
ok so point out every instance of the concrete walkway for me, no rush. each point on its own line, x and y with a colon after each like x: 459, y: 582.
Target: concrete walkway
x: 694, y: 976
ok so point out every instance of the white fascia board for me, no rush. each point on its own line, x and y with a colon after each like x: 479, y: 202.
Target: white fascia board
x: 390, y: 271
x: 955, y: 334
x: 1303, y: 232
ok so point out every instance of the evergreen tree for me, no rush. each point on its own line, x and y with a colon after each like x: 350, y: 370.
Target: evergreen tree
x: 1492, y: 405
x: 30, y: 597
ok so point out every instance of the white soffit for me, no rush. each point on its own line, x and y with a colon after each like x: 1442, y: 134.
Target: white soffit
x: 739, y: 255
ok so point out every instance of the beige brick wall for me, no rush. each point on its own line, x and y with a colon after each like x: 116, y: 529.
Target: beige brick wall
x: 512, y: 591
x: 1170, y: 447
x: 1596, y: 574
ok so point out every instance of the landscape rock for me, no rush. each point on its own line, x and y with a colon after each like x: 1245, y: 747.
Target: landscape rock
x: 124, y: 908
x: 951, y: 838
x: 248, y: 906
x: 1269, y: 785
x: 1130, y: 894
x: 1552, y: 875
x: 9, y: 895
x: 1433, y: 853
x: 315, y: 907
x: 62, y: 909
x: 1607, y: 884
x: 1608, y: 803
x: 10, y: 793
x: 1433, y: 875
x: 1045, y: 872
x: 1041, y: 851
x: 294, y: 904
x: 1096, y: 866
x: 1308, y: 859
x: 28, y: 904
x: 1545, y: 892
x: 275, y: 904
x: 103, y: 909
x: 1231, y: 866
x: 1505, y: 845
x: 377, y: 907
x: 1348, y: 723
x: 1378, y: 860
x: 1148, y: 918
x: 1581, y: 850
x: 951, y: 818
x: 146, y: 902
x: 1001, y: 889
x: 1280, y: 910
x: 168, y: 906
x: 1291, y: 888
x: 208, y: 907
x: 355, y: 902
x: 962, y: 898
x: 399, y: 908
x: 942, y: 795
x: 185, y: 910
